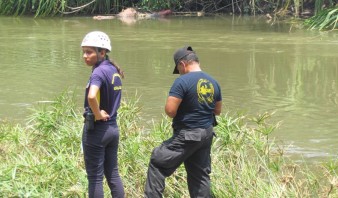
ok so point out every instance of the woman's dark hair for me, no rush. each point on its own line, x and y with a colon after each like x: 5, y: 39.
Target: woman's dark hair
x: 118, y: 68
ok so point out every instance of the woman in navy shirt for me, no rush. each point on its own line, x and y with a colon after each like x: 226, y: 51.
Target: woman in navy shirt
x: 100, y: 133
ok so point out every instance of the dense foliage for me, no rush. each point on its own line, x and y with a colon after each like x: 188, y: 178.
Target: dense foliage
x: 324, y: 10
x: 61, y: 7
x: 324, y: 20
x: 44, y: 157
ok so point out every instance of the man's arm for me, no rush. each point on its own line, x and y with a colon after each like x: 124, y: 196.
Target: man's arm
x: 172, y: 105
x: 218, y: 108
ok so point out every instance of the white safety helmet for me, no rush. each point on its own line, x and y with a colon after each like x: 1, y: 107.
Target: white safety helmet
x: 97, y: 39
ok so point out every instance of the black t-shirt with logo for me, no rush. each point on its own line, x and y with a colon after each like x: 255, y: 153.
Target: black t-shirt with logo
x: 199, y: 93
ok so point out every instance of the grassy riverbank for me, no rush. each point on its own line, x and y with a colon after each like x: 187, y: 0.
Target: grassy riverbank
x: 89, y: 7
x: 44, y: 159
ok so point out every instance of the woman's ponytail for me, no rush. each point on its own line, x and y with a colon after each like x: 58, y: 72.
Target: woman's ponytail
x: 118, y: 68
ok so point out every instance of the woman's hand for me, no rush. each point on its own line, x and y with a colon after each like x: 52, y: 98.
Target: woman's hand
x: 102, y: 116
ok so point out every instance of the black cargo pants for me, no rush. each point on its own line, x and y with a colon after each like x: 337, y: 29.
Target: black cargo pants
x: 188, y: 146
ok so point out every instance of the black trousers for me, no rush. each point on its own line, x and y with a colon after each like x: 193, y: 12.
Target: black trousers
x: 100, y: 147
x: 188, y: 146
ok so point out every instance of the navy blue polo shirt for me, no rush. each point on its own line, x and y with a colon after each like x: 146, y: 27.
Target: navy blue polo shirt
x: 107, y: 78
x: 199, y: 93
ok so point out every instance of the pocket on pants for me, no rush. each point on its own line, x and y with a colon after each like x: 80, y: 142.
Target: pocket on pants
x: 192, y: 135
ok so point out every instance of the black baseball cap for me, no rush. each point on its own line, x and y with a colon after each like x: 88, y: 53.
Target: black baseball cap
x: 181, y: 53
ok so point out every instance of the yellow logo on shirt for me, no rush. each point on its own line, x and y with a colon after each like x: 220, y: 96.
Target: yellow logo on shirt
x: 205, y: 91
x: 117, y: 88
x: 113, y: 79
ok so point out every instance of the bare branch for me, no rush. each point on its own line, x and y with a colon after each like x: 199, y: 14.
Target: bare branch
x: 77, y: 9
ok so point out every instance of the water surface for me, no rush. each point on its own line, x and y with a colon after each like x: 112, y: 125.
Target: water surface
x: 261, y: 66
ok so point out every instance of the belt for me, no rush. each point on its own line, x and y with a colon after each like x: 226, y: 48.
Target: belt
x: 105, y: 122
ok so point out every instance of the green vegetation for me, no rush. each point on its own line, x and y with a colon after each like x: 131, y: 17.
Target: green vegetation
x: 87, y: 7
x: 44, y: 158
x: 324, y: 11
x: 60, y: 7
x: 324, y: 20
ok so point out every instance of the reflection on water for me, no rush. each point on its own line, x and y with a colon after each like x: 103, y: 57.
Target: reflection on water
x: 260, y: 66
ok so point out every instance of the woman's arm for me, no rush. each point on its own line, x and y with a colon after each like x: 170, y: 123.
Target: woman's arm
x: 94, y: 105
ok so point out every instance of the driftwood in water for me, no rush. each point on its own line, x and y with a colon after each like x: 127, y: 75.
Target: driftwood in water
x: 132, y: 13
x: 189, y: 13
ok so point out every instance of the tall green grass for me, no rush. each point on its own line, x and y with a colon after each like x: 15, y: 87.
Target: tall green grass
x: 325, y: 20
x: 43, y: 158
x: 59, y: 7
x: 88, y: 7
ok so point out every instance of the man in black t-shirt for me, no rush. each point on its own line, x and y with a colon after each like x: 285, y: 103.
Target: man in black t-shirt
x: 194, y: 100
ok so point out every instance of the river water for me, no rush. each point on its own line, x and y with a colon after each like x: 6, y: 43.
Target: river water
x: 262, y: 66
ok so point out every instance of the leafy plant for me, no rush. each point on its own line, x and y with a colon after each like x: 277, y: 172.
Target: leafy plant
x: 324, y: 20
x: 44, y: 157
